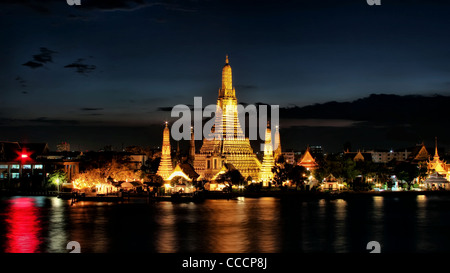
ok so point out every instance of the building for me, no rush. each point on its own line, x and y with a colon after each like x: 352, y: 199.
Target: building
x: 26, y: 166
x: 219, y: 147
x: 63, y: 147
x: 418, y: 154
x: 358, y: 156
x: 331, y: 183
x: 316, y: 150
x: 438, y: 166
x: 277, y: 144
x: 308, y: 161
x: 289, y: 157
x: 385, y: 156
x: 266, y: 175
x: 165, y: 166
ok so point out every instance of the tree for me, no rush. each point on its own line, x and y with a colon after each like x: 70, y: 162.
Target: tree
x: 231, y: 177
x: 422, y: 170
x: 297, y: 174
x: 281, y: 172
x: 406, y: 171
x: 57, y: 178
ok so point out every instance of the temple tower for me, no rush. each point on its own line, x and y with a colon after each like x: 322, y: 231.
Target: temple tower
x: 192, y: 147
x: 277, y: 144
x: 227, y: 142
x: 266, y: 174
x: 165, y: 165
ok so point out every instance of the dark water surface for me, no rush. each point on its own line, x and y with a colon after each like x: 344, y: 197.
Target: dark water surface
x: 399, y: 224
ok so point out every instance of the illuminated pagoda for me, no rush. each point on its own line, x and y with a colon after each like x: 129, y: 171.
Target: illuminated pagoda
x: 438, y: 166
x: 308, y: 161
x: 165, y: 165
x: 277, y: 144
x: 226, y: 145
x: 266, y: 174
x: 192, y: 147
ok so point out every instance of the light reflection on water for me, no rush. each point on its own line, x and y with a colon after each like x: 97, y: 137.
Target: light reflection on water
x: 47, y: 224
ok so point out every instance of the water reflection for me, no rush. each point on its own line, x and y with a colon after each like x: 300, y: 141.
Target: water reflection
x: 47, y: 224
x: 23, y: 227
x: 57, y: 231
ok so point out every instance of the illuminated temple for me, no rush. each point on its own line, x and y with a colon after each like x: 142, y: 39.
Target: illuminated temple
x: 436, y: 165
x: 165, y: 166
x: 266, y: 174
x: 226, y: 144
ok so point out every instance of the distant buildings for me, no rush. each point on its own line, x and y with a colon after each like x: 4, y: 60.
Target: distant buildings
x: 28, y: 165
x: 289, y: 157
x: 63, y: 147
x: 384, y: 156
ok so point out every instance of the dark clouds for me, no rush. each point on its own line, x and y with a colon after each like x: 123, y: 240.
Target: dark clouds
x: 49, y: 121
x: 42, y: 58
x: 90, y: 109
x: 32, y: 64
x: 21, y: 81
x: 80, y: 67
x: 298, y: 52
x: 111, y: 5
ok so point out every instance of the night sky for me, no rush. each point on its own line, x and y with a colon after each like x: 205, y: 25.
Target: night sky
x: 102, y: 73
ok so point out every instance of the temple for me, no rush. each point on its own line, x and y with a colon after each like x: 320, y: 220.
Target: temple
x: 266, y: 174
x: 165, y: 166
x: 277, y: 144
x: 308, y: 161
x: 227, y: 142
x: 436, y: 165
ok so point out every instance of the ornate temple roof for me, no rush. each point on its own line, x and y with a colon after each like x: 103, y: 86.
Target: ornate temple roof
x: 178, y: 171
x: 308, y: 161
x: 436, y: 179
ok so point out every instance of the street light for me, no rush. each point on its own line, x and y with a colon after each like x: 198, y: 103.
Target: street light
x: 57, y: 184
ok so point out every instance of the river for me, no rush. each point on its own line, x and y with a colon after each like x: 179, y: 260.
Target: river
x: 246, y: 225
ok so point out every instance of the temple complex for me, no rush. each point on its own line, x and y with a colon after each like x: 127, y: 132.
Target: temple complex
x: 227, y: 142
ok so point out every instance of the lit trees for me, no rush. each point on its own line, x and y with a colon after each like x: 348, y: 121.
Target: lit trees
x: 57, y: 178
x: 89, y: 179
x: 100, y: 177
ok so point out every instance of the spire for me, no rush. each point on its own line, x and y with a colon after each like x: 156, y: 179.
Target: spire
x: 277, y: 143
x: 268, y: 163
x: 192, y: 147
x: 227, y: 83
x: 436, y: 149
x: 165, y: 165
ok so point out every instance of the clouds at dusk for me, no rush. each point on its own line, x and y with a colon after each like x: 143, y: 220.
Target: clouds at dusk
x: 153, y: 55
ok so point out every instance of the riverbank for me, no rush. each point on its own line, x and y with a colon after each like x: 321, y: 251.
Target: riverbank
x: 338, y: 195
x: 304, y: 195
